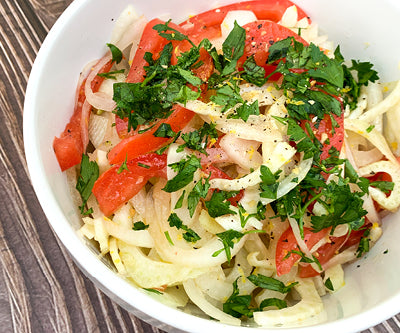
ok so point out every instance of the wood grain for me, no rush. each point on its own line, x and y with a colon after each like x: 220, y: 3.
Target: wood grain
x: 41, y: 289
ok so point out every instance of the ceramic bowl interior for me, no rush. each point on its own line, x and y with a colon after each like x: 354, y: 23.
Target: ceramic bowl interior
x: 366, y: 30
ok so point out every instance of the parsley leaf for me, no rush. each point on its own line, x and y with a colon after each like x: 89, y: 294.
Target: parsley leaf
x: 88, y: 174
x: 140, y: 226
x: 328, y: 284
x: 189, y: 235
x: 123, y: 166
x: 245, y: 110
x: 164, y: 131
x: 269, y: 185
x: 279, y: 303
x: 115, y: 53
x: 198, y: 140
x: 200, y: 190
x: 238, y: 305
x: 111, y: 75
x: 228, y: 239
x: 174, y: 35
x: 233, y: 48
x: 218, y: 204
x: 342, y: 205
x: 363, y: 246
x: 270, y: 283
x: 185, y: 171
x: 253, y: 73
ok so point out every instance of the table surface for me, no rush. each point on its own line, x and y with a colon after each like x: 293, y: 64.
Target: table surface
x: 41, y: 289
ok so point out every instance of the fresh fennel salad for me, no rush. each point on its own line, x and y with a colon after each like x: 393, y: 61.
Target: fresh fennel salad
x: 235, y: 161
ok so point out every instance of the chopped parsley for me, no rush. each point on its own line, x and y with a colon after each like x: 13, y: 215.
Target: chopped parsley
x: 140, y: 226
x: 228, y: 239
x: 218, y: 204
x: 185, y: 169
x: 88, y: 174
x: 116, y: 53
x: 189, y: 235
x: 328, y: 284
x: 155, y: 291
x: 269, y: 184
x: 199, y: 191
x: 198, y: 140
x: 111, y: 75
x: 363, y: 246
x: 123, y: 166
x: 240, y: 306
x: 270, y: 283
x: 168, y: 237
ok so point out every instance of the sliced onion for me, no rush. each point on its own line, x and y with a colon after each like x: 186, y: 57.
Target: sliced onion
x: 214, y: 156
x: 97, y: 129
x: 276, y: 160
x: 384, y: 106
x: 99, y: 100
x: 374, y: 137
x: 241, y: 152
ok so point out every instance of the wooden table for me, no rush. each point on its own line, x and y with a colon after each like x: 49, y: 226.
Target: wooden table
x: 41, y: 289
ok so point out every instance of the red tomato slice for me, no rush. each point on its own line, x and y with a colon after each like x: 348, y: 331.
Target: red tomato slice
x: 324, y: 254
x: 287, y: 242
x: 136, y: 145
x: 69, y: 147
x: 113, y: 189
x: 327, y: 251
x: 207, y: 24
x: 260, y: 35
x: 150, y: 41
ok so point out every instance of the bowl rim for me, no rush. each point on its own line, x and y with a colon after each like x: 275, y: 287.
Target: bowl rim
x: 99, y: 273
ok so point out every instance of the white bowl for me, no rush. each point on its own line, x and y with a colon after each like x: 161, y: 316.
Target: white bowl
x: 366, y: 30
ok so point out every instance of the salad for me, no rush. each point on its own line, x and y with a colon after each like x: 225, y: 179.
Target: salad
x: 235, y: 161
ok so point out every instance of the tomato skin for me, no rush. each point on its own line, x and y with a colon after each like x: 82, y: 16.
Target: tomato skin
x: 287, y: 242
x: 136, y: 145
x: 69, y: 146
x: 260, y: 35
x: 113, y: 189
x: 207, y: 24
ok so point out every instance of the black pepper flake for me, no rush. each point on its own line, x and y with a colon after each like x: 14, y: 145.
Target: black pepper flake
x: 285, y: 240
x: 271, y: 41
x: 259, y: 26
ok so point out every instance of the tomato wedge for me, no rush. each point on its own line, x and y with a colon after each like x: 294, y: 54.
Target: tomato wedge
x: 150, y: 41
x: 69, y: 146
x: 260, y: 35
x: 113, y: 189
x: 324, y: 254
x: 287, y: 242
x: 207, y: 24
x: 136, y: 145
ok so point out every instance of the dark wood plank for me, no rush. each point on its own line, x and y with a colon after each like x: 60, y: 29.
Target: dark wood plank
x: 41, y: 289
